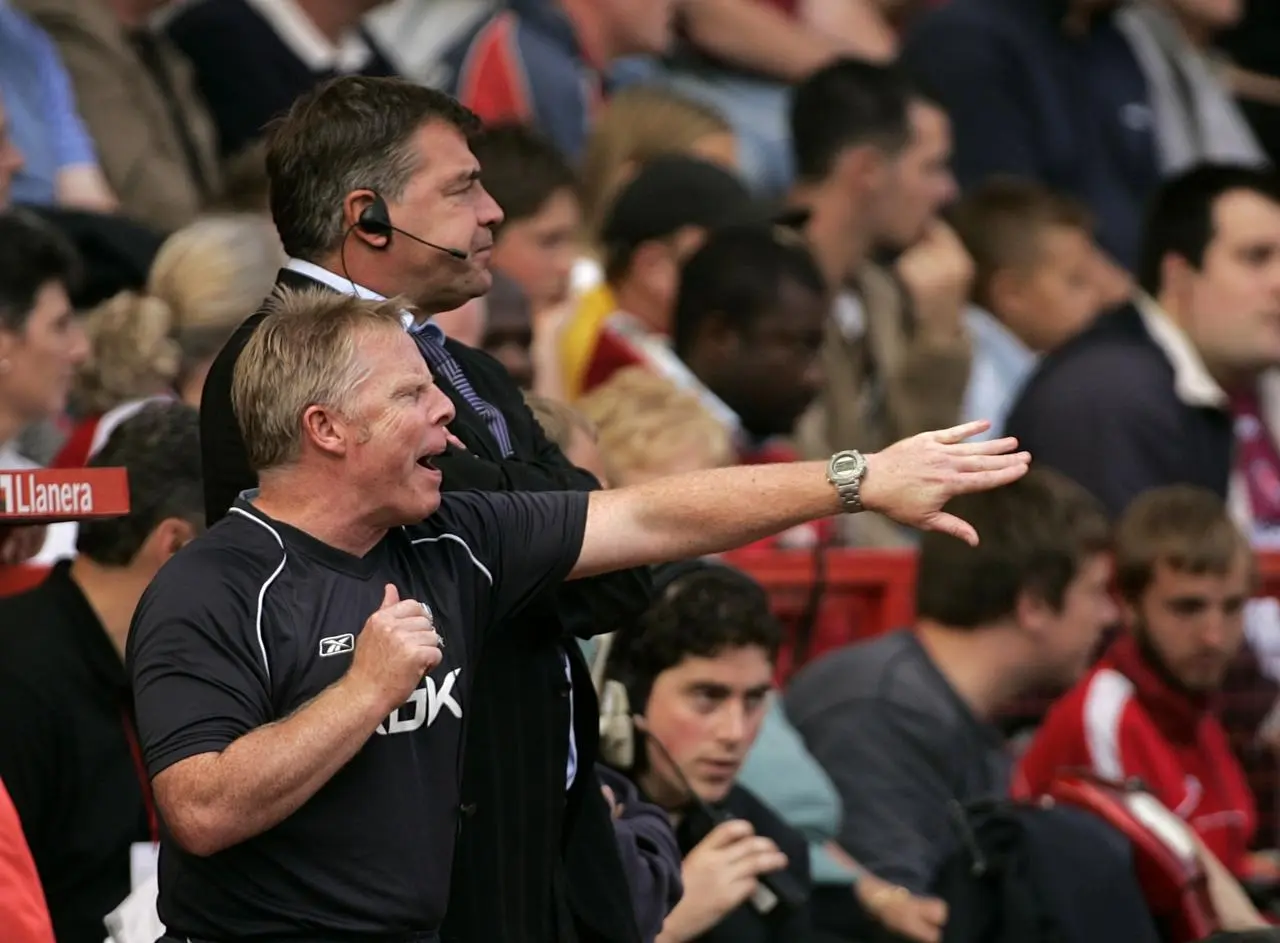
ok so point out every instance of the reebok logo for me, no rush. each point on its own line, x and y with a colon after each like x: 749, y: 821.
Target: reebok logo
x: 337, y: 645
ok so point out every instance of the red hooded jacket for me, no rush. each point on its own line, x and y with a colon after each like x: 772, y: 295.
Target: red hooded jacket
x: 1125, y: 720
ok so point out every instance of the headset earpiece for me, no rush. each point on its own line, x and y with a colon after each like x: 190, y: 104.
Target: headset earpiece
x: 375, y: 219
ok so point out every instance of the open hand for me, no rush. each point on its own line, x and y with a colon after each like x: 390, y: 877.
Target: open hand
x: 912, y: 480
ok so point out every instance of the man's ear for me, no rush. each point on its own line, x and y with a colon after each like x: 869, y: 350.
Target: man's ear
x: 326, y: 429
x: 353, y: 206
x: 1033, y: 613
x: 1006, y: 292
x: 861, y: 167
x: 166, y: 539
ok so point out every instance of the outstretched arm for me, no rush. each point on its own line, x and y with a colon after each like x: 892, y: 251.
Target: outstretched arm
x: 709, y: 512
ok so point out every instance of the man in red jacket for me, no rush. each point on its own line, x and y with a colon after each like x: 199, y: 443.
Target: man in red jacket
x: 1184, y: 572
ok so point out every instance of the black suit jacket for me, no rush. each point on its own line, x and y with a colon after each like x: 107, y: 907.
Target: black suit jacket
x: 533, y: 861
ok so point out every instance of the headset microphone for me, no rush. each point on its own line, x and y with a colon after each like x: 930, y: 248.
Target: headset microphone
x: 375, y: 220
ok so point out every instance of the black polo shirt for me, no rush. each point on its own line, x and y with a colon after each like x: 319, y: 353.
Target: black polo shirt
x: 256, y: 618
x: 64, y: 755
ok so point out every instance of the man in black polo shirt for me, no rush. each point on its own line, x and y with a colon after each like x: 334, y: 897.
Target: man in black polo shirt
x: 301, y: 673
x: 68, y: 754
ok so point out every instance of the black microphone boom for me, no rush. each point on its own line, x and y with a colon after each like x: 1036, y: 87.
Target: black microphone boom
x: 456, y: 253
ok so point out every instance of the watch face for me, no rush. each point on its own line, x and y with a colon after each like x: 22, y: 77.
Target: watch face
x: 848, y: 466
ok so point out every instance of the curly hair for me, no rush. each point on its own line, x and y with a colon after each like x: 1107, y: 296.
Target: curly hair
x: 205, y: 280
x: 644, y: 423
x: 701, y: 609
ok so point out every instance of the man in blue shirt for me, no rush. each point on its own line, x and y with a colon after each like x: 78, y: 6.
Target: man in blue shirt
x: 60, y: 166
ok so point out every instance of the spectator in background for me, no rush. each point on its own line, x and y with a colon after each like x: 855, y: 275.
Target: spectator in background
x: 1196, y: 119
x: 573, y: 432
x: 1185, y: 573
x: 41, y: 345
x: 60, y: 166
x: 206, y: 279
x: 154, y: 137
x: 903, y: 723
x: 657, y: 222
x: 536, y: 243
x: 698, y: 668
x: 11, y: 159
x: 253, y: 58
x: 872, y: 160
x: 1033, y: 288
x: 647, y: 428
x: 543, y: 61
x: 1179, y: 386
x: 748, y: 332
x: 68, y: 746
x: 1049, y: 90
x: 508, y: 335
x: 643, y: 122
x: 743, y: 57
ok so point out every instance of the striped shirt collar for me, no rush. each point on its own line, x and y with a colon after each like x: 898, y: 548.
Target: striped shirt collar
x: 346, y: 286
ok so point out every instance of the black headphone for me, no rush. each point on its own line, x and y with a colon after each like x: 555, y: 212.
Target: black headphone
x: 375, y: 219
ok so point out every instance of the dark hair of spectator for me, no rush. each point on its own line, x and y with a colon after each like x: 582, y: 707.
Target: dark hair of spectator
x: 32, y: 255
x: 1001, y: 222
x: 707, y: 609
x: 1180, y: 220
x: 846, y: 104
x: 159, y: 447
x: 347, y: 134
x: 521, y: 169
x: 1186, y: 528
x: 738, y: 275
x: 1034, y: 536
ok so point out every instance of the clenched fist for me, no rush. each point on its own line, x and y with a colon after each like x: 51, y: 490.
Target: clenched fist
x: 396, y: 647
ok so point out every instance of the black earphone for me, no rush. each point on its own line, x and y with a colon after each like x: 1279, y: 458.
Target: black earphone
x: 375, y: 219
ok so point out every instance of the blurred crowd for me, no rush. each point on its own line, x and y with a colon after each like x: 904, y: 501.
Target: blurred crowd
x: 734, y: 231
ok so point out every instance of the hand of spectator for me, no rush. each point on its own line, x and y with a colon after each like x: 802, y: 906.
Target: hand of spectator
x: 20, y: 544
x: 901, y: 912
x: 719, y: 875
x: 938, y: 273
x: 396, y: 647
x: 912, y: 480
x: 615, y: 808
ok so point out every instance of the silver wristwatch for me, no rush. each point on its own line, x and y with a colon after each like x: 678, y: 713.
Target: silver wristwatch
x: 845, y: 471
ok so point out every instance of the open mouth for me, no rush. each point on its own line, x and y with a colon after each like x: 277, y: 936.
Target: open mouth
x: 427, y: 462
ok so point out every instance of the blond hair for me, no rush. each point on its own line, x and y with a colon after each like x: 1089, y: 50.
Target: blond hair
x: 205, y: 280
x: 558, y: 420
x: 1186, y: 528
x: 639, y: 124
x: 645, y: 423
x: 304, y: 353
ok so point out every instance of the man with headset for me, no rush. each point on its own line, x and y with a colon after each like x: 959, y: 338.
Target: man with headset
x: 375, y: 192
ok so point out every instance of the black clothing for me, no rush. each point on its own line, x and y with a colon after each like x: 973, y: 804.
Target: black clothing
x: 256, y: 618
x: 245, y: 72
x: 1103, y: 410
x: 745, y: 924
x: 64, y: 753
x: 535, y: 863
